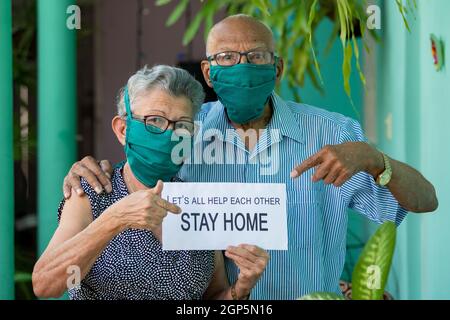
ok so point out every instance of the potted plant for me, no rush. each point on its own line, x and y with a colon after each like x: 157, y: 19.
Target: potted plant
x: 372, y: 269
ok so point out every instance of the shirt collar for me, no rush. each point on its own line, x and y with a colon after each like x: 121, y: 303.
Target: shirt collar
x: 284, y: 119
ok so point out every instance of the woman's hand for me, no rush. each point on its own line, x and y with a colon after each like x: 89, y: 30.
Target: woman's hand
x: 143, y: 209
x: 251, y: 261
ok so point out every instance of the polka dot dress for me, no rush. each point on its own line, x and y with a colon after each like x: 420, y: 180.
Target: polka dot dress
x: 134, y: 266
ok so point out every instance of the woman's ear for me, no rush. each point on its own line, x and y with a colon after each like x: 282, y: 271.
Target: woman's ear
x: 205, y: 69
x: 119, y: 126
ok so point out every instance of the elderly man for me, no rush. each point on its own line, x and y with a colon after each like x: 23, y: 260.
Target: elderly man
x: 323, y: 158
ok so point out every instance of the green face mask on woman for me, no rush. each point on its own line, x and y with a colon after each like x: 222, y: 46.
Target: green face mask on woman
x: 244, y: 89
x: 149, y: 155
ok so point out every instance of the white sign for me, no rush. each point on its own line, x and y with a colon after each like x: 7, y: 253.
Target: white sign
x: 216, y: 215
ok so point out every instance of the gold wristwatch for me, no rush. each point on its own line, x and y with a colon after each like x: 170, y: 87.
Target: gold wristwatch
x: 385, y: 177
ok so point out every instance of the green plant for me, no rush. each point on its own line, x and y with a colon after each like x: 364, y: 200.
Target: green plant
x: 372, y: 269
x: 294, y: 24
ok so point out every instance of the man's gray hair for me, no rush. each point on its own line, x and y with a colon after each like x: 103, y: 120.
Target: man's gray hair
x: 175, y: 81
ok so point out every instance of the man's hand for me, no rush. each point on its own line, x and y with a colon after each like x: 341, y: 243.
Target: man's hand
x: 97, y: 174
x: 251, y: 261
x: 337, y: 164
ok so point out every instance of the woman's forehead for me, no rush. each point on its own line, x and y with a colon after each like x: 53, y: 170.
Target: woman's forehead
x: 160, y: 101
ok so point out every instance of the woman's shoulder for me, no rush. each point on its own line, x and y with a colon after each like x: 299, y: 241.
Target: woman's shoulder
x: 118, y: 186
x: 102, y: 200
x: 117, y: 183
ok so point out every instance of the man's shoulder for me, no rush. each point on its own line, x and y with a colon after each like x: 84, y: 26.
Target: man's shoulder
x: 306, y: 113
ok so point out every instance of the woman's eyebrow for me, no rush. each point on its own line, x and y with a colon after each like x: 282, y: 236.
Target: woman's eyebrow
x: 156, y: 110
x: 151, y: 113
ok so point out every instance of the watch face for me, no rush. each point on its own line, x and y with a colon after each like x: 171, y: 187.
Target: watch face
x: 384, y: 179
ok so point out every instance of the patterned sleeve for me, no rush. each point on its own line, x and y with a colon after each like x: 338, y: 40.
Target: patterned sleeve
x: 361, y: 192
x: 60, y: 209
x: 91, y: 194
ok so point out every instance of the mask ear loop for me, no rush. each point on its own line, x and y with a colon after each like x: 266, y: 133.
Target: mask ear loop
x: 126, y: 98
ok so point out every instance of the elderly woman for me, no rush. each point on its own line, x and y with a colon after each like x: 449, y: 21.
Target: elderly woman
x: 108, y: 246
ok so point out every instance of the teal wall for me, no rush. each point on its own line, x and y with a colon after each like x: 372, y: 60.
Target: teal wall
x: 417, y: 99
x: 6, y: 154
x: 334, y: 99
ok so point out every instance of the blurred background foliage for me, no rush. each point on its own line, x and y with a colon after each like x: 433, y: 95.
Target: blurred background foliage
x: 25, y: 137
x: 294, y: 24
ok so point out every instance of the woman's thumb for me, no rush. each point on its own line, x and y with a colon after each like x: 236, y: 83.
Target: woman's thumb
x: 158, y: 188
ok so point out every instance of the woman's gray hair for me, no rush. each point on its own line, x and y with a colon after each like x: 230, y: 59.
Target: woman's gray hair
x: 175, y: 81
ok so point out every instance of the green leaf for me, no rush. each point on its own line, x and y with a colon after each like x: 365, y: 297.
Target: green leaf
x: 322, y: 296
x: 347, y: 68
x: 332, y: 37
x: 343, y: 22
x: 177, y: 12
x: 193, y: 28
x: 282, y: 13
x: 22, y: 277
x: 372, y: 269
x: 312, y: 14
x: 318, y: 85
x: 263, y: 5
x: 209, y: 22
x: 162, y: 2
x: 209, y: 10
x: 402, y: 10
x: 358, y: 66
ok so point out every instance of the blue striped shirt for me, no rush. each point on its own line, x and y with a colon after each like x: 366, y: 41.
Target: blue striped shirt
x: 317, y: 213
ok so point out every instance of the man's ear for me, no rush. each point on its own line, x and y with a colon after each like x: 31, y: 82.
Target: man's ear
x: 119, y: 126
x: 205, y: 70
x: 280, y: 69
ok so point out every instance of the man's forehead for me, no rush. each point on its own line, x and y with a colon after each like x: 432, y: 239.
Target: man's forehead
x: 237, y: 42
x: 239, y: 33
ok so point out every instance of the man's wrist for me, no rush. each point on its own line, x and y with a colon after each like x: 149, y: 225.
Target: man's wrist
x: 376, y: 163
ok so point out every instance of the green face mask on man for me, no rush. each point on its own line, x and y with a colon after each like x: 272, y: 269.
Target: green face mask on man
x: 244, y: 89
